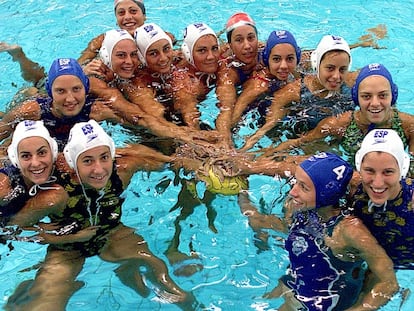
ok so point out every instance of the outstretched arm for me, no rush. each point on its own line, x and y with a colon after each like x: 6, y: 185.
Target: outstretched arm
x: 281, y: 98
x: 132, y: 114
x: 185, y: 95
x: 258, y: 221
x: 136, y: 157
x: 91, y: 50
x: 257, y: 85
x: 334, y: 125
x: 227, y: 95
x: 382, y: 283
x: 51, y: 201
x: 31, y: 71
x: 408, y: 126
x: 29, y: 110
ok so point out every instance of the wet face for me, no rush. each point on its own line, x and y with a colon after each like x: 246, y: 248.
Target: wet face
x: 159, y: 56
x: 303, y: 191
x: 206, y: 54
x: 69, y: 96
x: 332, y: 69
x: 35, y: 159
x: 244, y: 44
x: 282, y: 61
x: 124, y: 58
x: 129, y: 16
x: 380, y: 175
x: 374, y: 96
x: 95, y: 167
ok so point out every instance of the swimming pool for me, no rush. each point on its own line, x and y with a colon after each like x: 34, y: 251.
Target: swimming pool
x: 236, y: 271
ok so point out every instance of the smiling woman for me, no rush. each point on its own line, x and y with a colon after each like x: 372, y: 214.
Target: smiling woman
x: 28, y: 186
x: 384, y: 197
x: 66, y: 104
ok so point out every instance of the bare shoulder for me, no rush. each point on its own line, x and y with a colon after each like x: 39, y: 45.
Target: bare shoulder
x: 354, y: 231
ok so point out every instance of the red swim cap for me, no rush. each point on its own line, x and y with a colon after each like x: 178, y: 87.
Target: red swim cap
x: 239, y: 19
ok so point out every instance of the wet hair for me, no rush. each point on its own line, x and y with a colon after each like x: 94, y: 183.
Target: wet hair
x: 137, y: 2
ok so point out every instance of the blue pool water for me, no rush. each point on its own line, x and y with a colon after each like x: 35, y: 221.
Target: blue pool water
x: 236, y: 273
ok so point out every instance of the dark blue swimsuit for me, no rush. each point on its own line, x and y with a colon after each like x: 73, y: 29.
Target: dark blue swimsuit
x: 17, y: 198
x: 320, y: 280
x: 392, y: 225
x: 59, y: 127
x: 306, y: 114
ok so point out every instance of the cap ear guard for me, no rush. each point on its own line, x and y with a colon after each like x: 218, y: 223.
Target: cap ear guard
x: 185, y: 49
x: 354, y: 94
x: 13, y: 157
x: 187, y: 53
x: 105, y: 57
x: 314, y: 60
x: 358, y: 160
x: 68, y: 158
x: 394, y: 92
x: 298, y: 52
x: 405, y: 165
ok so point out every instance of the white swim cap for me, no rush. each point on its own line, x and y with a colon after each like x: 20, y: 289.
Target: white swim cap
x: 385, y: 140
x: 112, y: 37
x: 84, y: 136
x: 192, y: 33
x: 329, y: 43
x: 25, y: 129
x: 146, y: 35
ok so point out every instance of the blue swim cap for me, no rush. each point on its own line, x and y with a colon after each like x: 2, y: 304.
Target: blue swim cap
x: 65, y: 66
x: 374, y: 69
x: 330, y: 175
x: 277, y: 37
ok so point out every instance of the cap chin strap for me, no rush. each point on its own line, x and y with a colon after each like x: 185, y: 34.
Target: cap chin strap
x: 33, y: 189
x: 329, y: 95
x: 372, y: 205
x: 210, y: 78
